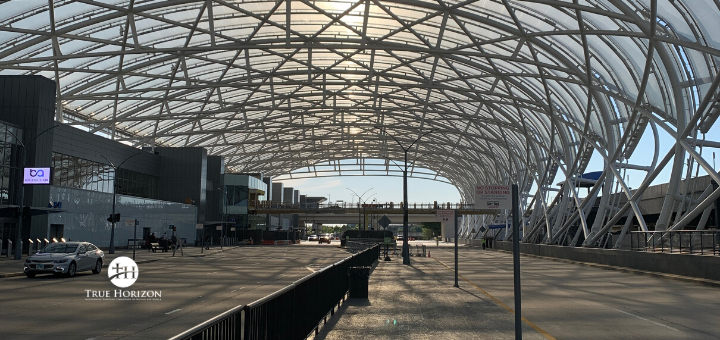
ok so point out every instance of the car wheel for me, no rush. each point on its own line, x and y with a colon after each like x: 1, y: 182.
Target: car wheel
x: 72, y: 269
x: 98, y: 267
x: 30, y: 275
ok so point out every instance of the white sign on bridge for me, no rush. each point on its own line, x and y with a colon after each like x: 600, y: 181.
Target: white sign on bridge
x: 493, y: 197
x: 447, y: 217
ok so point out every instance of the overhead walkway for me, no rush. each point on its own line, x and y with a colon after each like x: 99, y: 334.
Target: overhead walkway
x: 267, y: 207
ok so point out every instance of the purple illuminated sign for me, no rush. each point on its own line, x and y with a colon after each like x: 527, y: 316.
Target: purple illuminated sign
x: 36, y: 176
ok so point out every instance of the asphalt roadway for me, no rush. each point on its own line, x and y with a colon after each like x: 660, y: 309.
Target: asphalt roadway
x: 193, y: 290
x: 575, y: 301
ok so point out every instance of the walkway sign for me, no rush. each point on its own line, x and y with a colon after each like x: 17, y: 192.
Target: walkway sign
x: 446, y: 216
x: 493, y: 197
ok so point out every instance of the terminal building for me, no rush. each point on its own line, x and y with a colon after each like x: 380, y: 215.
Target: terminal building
x: 161, y: 187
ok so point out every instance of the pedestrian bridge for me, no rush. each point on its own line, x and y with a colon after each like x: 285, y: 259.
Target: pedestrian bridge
x: 271, y: 208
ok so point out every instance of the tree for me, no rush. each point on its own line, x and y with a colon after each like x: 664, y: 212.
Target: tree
x: 431, y: 229
x: 330, y: 230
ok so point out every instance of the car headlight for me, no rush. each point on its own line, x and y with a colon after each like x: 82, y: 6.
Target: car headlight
x: 60, y: 261
x: 27, y: 261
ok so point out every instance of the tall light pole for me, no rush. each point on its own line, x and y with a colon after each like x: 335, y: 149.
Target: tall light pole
x: 406, y: 246
x: 359, y: 200
x: 21, y: 214
x: 222, y: 238
x: 112, y: 217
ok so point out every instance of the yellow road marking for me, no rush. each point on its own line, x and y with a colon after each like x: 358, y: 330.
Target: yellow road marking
x: 526, y: 321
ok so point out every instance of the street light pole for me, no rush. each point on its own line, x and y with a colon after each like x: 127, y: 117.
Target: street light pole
x: 21, y: 214
x: 406, y: 245
x: 112, y: 217
x: 222, y: 237
x: 359, y: 200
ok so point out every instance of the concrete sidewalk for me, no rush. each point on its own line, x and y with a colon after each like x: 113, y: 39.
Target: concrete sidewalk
x: 420, y: 302
x: 11, y: 268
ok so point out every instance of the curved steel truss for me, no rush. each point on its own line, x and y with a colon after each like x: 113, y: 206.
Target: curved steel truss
x: 514, y: 91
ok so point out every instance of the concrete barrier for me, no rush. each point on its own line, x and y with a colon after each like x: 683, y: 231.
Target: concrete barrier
x: 705, y: 267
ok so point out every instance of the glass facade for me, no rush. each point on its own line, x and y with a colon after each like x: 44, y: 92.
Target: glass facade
x: 85, y: 218
x: 78, y: 173
x: 9, y: 162
x: 134, y: 183
x: 239, y: 191
x: 237, y: 195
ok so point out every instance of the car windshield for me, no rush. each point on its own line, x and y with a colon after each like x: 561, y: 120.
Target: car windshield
x: 60, y: 248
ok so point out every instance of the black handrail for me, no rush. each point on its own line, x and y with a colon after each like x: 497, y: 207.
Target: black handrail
x: 293, y: 312
x: 702, y: 242
x: 213, y: 326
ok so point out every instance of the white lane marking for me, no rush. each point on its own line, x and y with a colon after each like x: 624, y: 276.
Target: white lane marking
x: 641, y: 318
x: 173, y: 311
x: 310, y: 269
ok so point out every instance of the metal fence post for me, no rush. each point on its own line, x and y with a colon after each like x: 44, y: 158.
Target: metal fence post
x: 680, y: 236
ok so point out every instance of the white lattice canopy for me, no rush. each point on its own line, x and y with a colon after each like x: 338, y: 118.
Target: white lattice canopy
x: 513, y: 91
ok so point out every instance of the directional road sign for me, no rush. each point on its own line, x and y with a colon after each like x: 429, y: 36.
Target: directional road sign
x: 384, y: 221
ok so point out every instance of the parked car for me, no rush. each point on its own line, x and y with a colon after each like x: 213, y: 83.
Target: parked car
x: 325, y: 238
x: 65, y: 258
x: 312, y: 238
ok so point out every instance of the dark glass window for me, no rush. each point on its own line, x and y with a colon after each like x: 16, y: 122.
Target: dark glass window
x: 10, y: 171
x: 73, y: 172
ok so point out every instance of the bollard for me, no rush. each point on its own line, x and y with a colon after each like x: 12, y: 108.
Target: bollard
x: 10, y: 247
x: 30, y: 246
x: 39, y: 244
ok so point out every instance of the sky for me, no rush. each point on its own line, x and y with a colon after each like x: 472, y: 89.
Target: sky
x: 387, y: 189
x: 382, y: 188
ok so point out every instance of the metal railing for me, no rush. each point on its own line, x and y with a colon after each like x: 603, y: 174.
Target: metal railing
x: 419, y: 251
x: 356, y: 247
x: 702, y: 242
x: 294, y: 312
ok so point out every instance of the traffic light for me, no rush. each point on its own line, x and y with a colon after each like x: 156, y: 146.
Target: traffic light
x: 117, y: 218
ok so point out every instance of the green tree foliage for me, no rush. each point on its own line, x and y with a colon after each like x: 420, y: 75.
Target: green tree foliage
x: 329, y: 230
x: 430, y: 229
